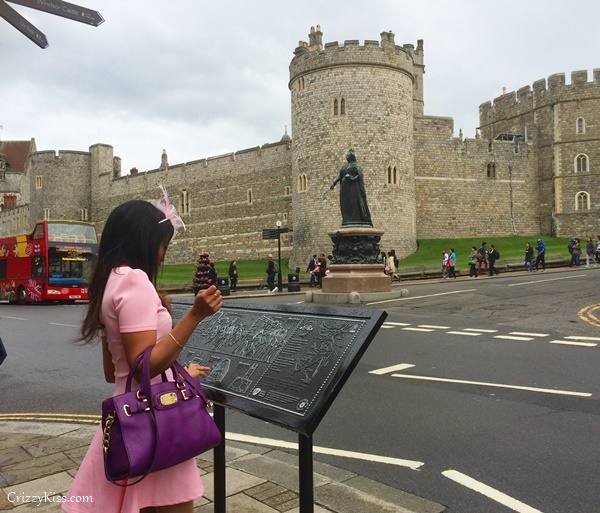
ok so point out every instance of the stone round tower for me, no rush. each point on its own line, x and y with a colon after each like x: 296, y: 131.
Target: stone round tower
x: 362, y: 97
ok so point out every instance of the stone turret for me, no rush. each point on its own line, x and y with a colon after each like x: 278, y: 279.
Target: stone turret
x: 164, y: 161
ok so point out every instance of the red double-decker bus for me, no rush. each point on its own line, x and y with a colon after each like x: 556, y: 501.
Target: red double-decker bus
x: 53, y: 263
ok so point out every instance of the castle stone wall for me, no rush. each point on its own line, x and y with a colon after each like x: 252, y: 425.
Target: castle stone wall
x: 15, y: 221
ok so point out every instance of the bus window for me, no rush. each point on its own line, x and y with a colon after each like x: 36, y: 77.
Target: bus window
x: 2, y: 269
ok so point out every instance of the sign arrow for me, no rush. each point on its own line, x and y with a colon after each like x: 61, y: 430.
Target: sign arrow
x: 64, y: 10
x: 22, y: 25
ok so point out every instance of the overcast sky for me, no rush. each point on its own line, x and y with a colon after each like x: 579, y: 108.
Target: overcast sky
x: 204, y: 78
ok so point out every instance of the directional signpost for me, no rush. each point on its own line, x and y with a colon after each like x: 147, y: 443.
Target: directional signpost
x: 275, y: 233
x: 56, y: 7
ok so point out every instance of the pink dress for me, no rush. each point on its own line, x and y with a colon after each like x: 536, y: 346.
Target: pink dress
x: 130, y: 303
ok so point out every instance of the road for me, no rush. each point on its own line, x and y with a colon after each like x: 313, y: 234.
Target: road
x: 492, y: 384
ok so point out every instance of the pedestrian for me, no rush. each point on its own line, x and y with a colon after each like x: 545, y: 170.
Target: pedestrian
x: 590, y: 250
x: 391, y: 265
x: 472, y: 260
x: 570, y: 246
x: 322, y: 269
x: 452, y: 266
x: 576, y: 252
x: 482, y: 263
x: 233, y: 275
x: 383, y: 258
x: 541, y: 255
x: 396, y: 262
x: 127, y: 315
x: 598, y: 250
x: 271, y: 272
x: 493, y: 256
x: 528, y: 257
x: 445, y: 264
x: 212, y: 274
x: 312, y: 264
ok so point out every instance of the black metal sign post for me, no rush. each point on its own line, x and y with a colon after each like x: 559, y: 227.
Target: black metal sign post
x: 275, y: 233
x: 284, y: 364
x: 56, y: 7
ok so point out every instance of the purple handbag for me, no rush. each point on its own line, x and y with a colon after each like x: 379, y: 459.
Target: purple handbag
x: 156, y: 427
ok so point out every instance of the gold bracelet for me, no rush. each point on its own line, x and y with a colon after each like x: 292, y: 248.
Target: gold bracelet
x: 175, y: 340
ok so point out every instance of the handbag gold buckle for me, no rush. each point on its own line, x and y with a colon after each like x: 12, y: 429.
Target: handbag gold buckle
x: 106, y: 432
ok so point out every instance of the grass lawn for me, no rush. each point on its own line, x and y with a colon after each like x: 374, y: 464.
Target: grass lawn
x: 511, y: 249
x: 427, y: 257
x: 181, y: 274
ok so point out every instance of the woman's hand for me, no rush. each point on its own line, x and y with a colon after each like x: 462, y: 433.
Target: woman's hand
x: 197, y: 371
x: 207, y: 302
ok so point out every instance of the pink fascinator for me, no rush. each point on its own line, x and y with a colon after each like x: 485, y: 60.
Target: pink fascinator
x: 168, y: 209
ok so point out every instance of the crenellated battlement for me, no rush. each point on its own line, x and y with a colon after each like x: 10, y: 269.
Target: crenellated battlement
x: 542, y: 93
x: 313, y: 55
x: 52, y: 155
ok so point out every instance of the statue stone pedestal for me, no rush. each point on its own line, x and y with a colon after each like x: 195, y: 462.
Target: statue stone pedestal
x: 355, y: 275
x: 355, y: 266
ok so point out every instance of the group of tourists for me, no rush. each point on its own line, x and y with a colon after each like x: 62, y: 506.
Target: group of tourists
x: 592, y: 251
x: 317, y: 268
x: 482, y: 260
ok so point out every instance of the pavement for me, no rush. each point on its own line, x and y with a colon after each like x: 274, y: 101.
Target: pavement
x: 39, y: 459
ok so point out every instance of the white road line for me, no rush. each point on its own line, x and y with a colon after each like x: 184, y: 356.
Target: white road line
x: 512, y: 337
x: 549, y: 279
x: 387, y: 327
x: 488, y: 491
x: 496, y: 385
x: 570, y: 343
x: 417, y: 329
x: 393, y: 368
x: 525, y: 334
x: 434, y: 326
x: 390, y: 323
x: 298, y: 302
x: 420, y: 297
x: 13, y: 318
x: 582, y: 338
x: 467, y: 333
x: 61, y: 324
x: 482, y: 331
x: 237, y: 437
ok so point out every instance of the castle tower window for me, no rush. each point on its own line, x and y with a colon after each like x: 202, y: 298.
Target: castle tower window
x: 285, y: 217
x: 249, y: 196
x: 84, y: 214
x: 582, y: 201
x: 395, y: 176
x: 302, y: 183
x: 46, y: 214
x: 491, y: 170
x: 389, y: 175
x: 582, y: 163
x: 287, y: 190
x: 490, y: 147
x: 342, y: 107
x: 580, y: 126
x: 185, y: 202
x: 39, y: 181
x: 335, y: 107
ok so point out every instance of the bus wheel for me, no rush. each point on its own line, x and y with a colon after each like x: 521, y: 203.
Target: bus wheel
x: 21, y: 296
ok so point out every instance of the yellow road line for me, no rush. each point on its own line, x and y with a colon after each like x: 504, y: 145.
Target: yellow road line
x: 52, y: 417
x: 586, y: 314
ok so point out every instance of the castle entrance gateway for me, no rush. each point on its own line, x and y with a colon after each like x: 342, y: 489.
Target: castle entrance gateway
x: 284, y: 364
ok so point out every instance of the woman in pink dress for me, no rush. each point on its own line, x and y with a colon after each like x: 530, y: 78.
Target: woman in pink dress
x: 128, y: 314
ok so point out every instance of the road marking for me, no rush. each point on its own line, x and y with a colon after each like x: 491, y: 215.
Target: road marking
x: 61, y: 324
x: 237, y: 437
x: 512, y: 337
x: 393, y: 368
x: 298, y: 302
x: 488, y: 491
x: 496, y: 385
x: 417, y: 329
x: 569, y: 343
x: 582, y: 338
x: 482, y: 331
x: 387, y: 327
x: 421, y: 297
x: 433, y: 326
x: 586, y: 314
x: 541, y: 281
x: 468, y: 333
x: 390, y: 323
x: 525, y: 334
x: 13, y: 318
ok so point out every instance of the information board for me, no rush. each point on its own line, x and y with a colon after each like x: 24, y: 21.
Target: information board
x: 281, y: 363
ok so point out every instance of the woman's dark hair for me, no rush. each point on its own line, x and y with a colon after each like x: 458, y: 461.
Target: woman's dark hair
x: 132, y: 236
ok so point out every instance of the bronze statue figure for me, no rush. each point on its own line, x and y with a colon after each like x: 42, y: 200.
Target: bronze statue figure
x: 353, y: 197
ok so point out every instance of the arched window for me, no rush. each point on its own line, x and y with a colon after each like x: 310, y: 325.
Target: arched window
x: 335, y: 107
x: 302, y: 183
x: 343, y: 107
x: 305, y: 183
x: 285, y: 217
x: 249, y: 196
x: 286, y: 191
x: 580, y: 126
x: 582, y: 201
x: 395, y: 176
x: 582, y: 163
x: 389, y: 175
x: 185, y: 202
x: 491, y: 170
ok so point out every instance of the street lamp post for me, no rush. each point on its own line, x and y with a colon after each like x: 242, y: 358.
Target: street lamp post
x: 279, y: 279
